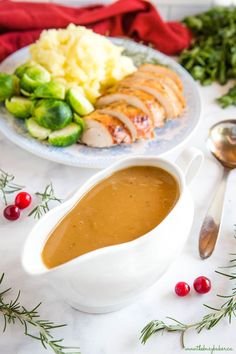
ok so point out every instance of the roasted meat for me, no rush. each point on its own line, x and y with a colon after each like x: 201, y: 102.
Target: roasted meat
x: 137, y: 98
x: 102, y: 130
x: 134, y: 107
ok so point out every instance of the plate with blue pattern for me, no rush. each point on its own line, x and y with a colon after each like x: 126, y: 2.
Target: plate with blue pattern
x: 172, y: 135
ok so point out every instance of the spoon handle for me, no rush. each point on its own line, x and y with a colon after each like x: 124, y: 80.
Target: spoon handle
x: 211, y: 225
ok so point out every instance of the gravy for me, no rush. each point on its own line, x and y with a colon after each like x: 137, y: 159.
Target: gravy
x: 121, y: 208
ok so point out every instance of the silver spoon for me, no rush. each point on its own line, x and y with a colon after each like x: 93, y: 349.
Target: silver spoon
x: 222, y: 144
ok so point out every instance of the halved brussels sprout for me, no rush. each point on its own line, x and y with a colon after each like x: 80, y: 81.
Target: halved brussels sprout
x: 52, y: 114
x: 78, y: 120
x: 19, y: 72
x: 66, y: 136
x: 33, y: 77
x: 25, y: 93
x: 9, y: 86
x: 78, y: 101
x: 20, y: 107
x: 50, y: 89
x: 36, y: 130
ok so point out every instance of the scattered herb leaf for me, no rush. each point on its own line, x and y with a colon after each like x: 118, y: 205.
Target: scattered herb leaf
x: 229, y: 98
x: 212, y: 54
x: 7, y: 186
x: 46, y: 197
x: 13, y: 312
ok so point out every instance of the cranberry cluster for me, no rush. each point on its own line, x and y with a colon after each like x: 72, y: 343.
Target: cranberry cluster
x: 22, y: 201
x: 201, y: 285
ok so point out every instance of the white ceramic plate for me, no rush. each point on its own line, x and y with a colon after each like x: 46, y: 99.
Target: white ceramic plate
x: 174, y: 133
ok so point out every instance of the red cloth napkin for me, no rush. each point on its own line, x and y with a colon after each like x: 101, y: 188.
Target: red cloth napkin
x: 22, y: 22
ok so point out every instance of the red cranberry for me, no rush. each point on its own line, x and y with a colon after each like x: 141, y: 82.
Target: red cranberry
x: 182, y: 288
x: 11, y: 212
x: 202, y: 285
x: 23, y: 200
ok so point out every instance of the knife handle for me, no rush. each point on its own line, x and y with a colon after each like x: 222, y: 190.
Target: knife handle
x: 211, y: 225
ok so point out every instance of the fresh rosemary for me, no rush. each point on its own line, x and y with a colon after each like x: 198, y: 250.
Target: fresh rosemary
x: 227, y: 310
x: 7, y: 186
x: 46, y: 197
x: 13, y: 311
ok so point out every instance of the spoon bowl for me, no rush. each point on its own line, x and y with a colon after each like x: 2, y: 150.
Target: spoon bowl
x: 222, y: 142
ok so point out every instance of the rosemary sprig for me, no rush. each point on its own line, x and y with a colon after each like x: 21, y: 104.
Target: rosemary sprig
x: 46, y: 197
x: 7, y: 186
x: 13, y: 311
x: 226, y: 310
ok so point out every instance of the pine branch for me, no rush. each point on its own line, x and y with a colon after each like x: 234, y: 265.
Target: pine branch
x: 7, y: 186
x: 227, y: 310
x: 46, y: 197
x: 13, y: 311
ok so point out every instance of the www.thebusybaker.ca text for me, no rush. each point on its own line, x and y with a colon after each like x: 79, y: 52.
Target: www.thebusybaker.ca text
x: 211, y: 349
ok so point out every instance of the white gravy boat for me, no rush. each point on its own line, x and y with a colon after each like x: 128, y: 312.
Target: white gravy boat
x: 107, y: 279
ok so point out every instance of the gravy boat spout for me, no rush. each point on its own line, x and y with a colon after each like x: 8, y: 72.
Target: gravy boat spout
x: 109, y: 278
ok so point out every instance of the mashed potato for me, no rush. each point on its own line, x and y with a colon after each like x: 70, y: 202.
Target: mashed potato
x: 78, y: 56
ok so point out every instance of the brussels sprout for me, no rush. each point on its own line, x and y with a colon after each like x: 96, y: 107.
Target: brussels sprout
x: 20, y: 107
x: 66, y: 136
x: 50, y: 89
x: 19, y: 72
x: 78, y: 101
x: 78, y: 120
x: 25, y: 93
x: 9, y: 86
x: 36, y: 130
x: 52, y: 114
x: 33, y: 77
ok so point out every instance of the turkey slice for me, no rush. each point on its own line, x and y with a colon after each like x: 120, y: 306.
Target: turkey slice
x: 139, y: 123
x: 165, y: 80
x: 163, y: 70
x: 102, y: 130
x: 137, y: 98
x: 163, y: 94
x: 119, y: 96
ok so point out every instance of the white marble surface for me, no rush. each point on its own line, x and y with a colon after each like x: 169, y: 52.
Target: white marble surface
x: 118, y: 332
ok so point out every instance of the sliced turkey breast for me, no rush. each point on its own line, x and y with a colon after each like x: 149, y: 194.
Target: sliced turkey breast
x: 132, y: 108
x: 132, y: 116
x: 159, y: 84
x: 161, y: 92
x: 119, y: 96
x: 102, y: 130
x: 137, y: 98
x: 165, y: 80
x: 123, y: 118
x: 163, y: 70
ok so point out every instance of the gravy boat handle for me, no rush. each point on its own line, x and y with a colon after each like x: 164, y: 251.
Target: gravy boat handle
x: 190, y: 161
